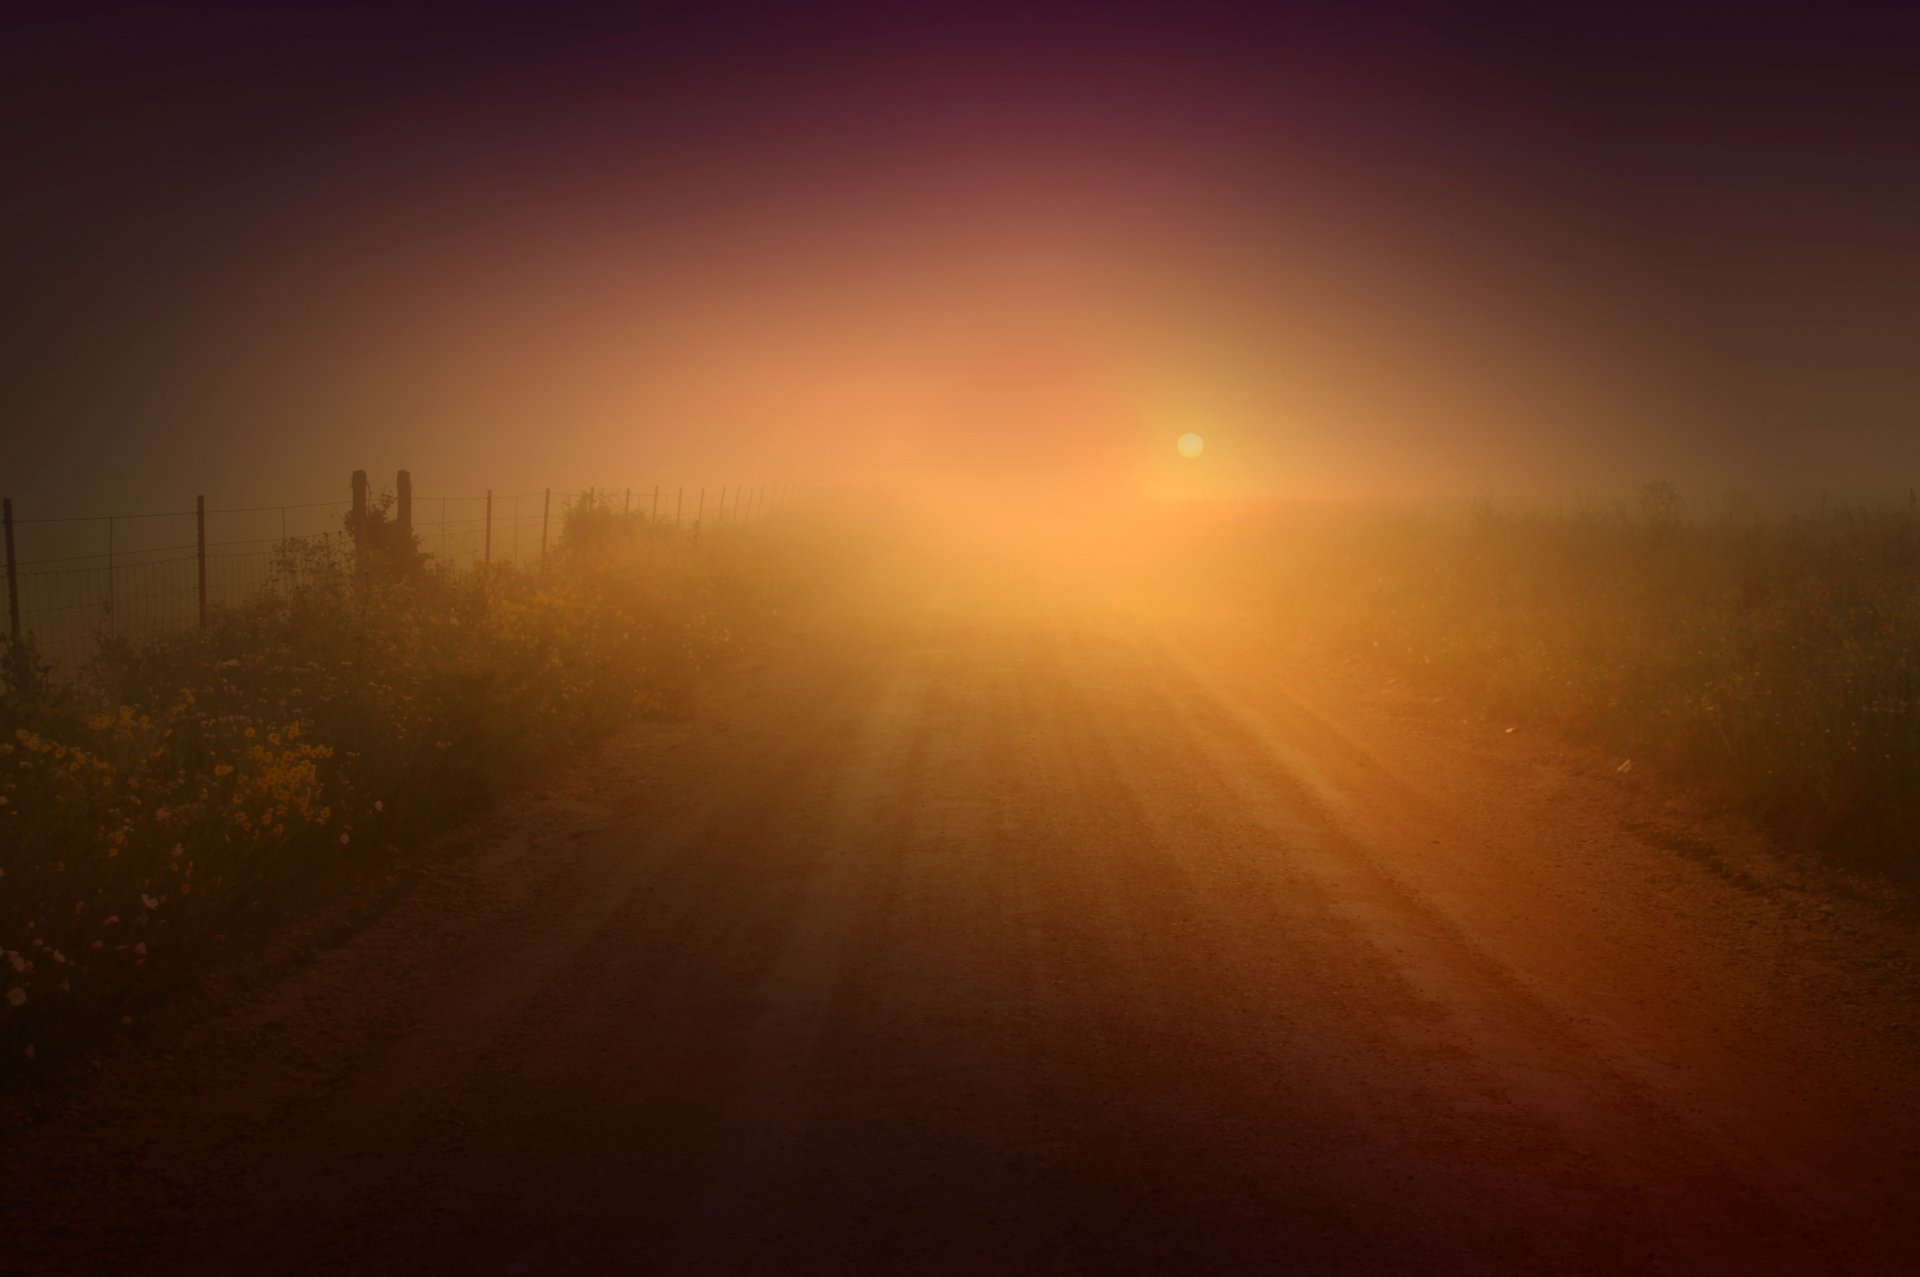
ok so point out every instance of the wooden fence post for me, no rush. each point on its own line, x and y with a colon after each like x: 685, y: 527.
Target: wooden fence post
x: 626, y: 506
x: 403, y: 508
x: 655, y: 516
x: 486, y: 555
x: 546, y: 509
x: 13, y: 579
x: 200, y: 552
x: 359, y: 520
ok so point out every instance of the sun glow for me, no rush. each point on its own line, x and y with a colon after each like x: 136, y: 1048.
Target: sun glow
x: 1190, y: 445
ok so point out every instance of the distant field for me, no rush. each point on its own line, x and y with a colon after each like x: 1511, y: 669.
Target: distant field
x: 1775, y: 658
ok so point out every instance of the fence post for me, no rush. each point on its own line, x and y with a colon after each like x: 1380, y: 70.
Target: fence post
x: 13, y: 580
x: 655, y: 516
x: 403, y: 508
x: 546, y: 509
x: 360, y: 521
x: 486, y: 555
x: 700, y: 511
x: 679, y: 499
x: 200, y: 552
x: 626, y: 507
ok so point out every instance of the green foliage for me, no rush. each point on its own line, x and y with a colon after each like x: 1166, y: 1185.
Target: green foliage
x: 194, y: 783
x: 24, y: 673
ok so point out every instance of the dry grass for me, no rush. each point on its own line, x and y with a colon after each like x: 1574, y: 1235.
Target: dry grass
x: 192, y: 786
x: 1776, y: 659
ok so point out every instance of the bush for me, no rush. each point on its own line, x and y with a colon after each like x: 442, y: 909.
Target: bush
x: 193, y: 781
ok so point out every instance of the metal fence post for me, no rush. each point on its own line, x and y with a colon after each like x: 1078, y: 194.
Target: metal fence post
x: 13, y: 578
x: 200, y: 552
x: 487, y: 552
x: 546, y: 509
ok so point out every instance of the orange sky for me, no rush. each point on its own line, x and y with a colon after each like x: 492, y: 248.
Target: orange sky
x: 1009, y: 252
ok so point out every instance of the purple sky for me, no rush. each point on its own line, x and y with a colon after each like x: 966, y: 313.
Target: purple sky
x: 1691, y: 232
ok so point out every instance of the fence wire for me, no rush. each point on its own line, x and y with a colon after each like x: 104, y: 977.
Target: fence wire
x: 76, y: 581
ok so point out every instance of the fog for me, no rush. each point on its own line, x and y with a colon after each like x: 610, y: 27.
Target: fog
x: 1008, y: 258
x: 1203, y: 638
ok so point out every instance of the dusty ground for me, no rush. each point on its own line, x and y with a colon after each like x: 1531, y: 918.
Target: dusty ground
x: 997, y: 927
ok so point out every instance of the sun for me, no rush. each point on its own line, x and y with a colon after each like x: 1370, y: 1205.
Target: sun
x: 1190, y: 445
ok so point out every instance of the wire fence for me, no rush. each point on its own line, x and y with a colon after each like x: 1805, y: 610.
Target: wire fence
x: 73, y: 581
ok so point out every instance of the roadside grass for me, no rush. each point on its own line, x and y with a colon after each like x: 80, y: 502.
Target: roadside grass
x: 1776, y: 659
x: 169, y: 803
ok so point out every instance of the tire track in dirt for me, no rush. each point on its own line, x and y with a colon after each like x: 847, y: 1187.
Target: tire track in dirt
x: 989, y: 928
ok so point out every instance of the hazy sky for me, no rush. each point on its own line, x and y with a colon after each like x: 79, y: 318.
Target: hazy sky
x: 1411, y: 249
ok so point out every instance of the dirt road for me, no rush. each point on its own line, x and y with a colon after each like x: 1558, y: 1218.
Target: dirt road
x: 992, y: 928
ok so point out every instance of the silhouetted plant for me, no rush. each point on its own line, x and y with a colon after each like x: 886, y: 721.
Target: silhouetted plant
x: 1660, y: 506
x: 391, y: 551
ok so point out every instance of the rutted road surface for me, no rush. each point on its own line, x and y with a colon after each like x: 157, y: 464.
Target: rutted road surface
x: 992, y: 928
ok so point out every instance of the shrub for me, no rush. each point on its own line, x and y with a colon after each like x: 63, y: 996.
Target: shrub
x: 195, y: 781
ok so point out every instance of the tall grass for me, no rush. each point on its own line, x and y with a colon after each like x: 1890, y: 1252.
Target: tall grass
x: 1776, y: 659
x: 191, y: 785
